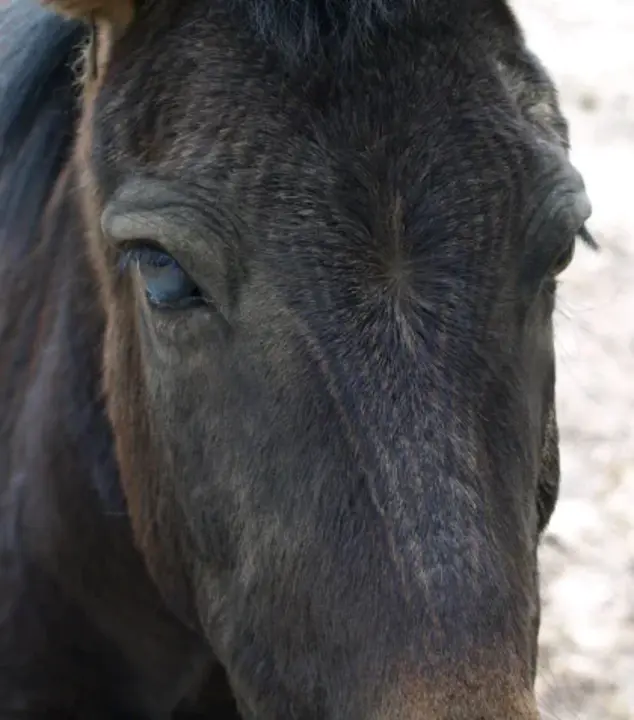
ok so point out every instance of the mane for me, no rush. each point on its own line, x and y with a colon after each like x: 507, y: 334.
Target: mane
x: 38, y: 114
x: 47, y: 285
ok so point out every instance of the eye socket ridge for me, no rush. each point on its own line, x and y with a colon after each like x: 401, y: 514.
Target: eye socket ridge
x: 560, y: 219
x: 167, y: 286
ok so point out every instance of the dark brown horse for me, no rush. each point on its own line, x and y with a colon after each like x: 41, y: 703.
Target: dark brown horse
x: 277, y: 397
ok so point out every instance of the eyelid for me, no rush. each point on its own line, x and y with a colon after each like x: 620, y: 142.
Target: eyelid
x: 560, y: 218
x: 143, y: 199
x: 173, y: 229
x: 125, y: 227
x: 582, y: 206
x: 178, y: 232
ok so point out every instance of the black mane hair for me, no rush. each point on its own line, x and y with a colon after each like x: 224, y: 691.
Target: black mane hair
x: 40, y: 106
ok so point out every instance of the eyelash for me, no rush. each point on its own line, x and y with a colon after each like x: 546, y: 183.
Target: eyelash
x: 175, y: 291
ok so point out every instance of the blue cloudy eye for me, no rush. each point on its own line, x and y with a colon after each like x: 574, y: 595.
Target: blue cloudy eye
x: 167, y: 285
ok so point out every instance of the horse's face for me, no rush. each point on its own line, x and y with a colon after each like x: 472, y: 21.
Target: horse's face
x: 329, y: 357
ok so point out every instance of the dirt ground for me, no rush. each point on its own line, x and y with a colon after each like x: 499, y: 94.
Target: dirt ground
x: 587, y: 641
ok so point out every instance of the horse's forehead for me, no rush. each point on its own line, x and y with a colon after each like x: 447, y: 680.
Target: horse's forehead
x: 210, y: 108
x: 418, y: 134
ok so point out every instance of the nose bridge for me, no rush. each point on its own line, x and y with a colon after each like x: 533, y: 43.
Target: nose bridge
x: 413, y: 427
x: 451, y: 595
x: 441, y: 533
x: 414, y: 432
x: 465, y: 598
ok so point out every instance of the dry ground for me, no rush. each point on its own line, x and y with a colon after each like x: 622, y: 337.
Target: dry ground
x: 587, y: 641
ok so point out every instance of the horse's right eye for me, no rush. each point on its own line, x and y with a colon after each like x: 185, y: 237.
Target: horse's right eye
x: 167, y: 285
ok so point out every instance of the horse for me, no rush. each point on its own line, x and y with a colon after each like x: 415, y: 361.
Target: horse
x: 278, y: 435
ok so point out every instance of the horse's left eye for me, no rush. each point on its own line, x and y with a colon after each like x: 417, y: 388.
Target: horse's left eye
x: 167, y: 285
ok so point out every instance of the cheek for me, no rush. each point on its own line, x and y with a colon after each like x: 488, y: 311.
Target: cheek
x: 156, y: 520
x: 197, y: 457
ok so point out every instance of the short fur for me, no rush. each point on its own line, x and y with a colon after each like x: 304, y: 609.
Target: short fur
x: 321, y: 492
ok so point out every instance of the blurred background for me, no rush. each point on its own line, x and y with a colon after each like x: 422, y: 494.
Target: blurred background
x: 587, y: 640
